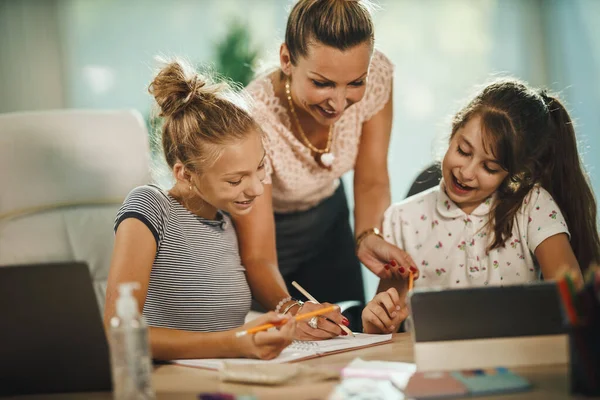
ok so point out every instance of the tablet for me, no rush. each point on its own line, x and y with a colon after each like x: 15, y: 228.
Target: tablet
x: 488, y: 326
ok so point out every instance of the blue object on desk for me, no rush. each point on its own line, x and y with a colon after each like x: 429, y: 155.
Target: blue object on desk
x: 490, y: 381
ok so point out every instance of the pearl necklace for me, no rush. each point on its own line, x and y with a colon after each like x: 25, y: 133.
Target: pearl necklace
x: 324, y: 156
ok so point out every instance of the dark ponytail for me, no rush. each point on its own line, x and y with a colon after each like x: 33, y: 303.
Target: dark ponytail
x: 569, y: 185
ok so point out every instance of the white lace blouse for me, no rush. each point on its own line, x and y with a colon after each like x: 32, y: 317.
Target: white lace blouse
x: 299, y: 183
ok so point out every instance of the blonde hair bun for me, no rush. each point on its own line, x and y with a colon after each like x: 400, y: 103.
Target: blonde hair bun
x: 198, y: 115
x: 177, y: 84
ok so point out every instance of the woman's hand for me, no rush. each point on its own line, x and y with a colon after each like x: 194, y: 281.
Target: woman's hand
x: 327, y: 324
x: 386, y: 260
x: 267, y: 345
x: 384, y: 313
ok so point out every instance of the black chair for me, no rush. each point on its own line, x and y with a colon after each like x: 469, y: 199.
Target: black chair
x: 427, y: 179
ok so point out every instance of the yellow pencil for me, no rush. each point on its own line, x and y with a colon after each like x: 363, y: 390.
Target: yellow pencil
x: 297, y: 318
x: 411, y: 278
x: 309, y: 297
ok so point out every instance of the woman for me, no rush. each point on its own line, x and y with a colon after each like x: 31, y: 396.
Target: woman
x: 326, y: 111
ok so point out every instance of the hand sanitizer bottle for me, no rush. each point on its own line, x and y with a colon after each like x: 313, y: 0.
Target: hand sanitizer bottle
x: 129, y: 349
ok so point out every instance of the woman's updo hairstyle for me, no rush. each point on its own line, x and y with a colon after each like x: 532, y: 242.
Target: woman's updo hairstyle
x: 341, y: 24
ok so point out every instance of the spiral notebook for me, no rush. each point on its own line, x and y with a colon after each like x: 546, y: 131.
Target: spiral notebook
x: 298, y: 350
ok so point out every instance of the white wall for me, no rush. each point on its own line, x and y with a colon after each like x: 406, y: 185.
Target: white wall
x: 30, y: 56
x: 111, y: 44
x: 572, y: 30
x: 99, y: 54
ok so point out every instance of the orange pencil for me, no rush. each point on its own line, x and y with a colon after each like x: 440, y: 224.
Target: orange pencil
x: 297, y: 318
x: 411, y: 278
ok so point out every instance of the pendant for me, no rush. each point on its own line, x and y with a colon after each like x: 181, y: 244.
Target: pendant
x: 327, y: 159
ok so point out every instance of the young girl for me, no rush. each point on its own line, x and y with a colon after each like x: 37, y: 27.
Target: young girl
x: 180, y: 244
x: 514, y: 203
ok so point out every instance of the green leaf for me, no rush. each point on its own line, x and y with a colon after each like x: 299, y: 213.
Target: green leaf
x: 235, y: 57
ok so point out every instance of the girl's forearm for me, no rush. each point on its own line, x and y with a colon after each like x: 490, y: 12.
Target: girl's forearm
x: 172, y: 344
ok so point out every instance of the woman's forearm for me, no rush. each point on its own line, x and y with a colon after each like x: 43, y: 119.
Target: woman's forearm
x: 371, y: 201
x: 371, y: 178
x: 266, y: 282
x: 256, y: 237
x: 172, y: 344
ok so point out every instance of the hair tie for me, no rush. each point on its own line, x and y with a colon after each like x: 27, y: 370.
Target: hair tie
x: 545, y: 98
x: 194, y: 87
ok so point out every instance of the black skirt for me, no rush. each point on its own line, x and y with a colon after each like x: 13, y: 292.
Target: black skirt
x: 316, y: 248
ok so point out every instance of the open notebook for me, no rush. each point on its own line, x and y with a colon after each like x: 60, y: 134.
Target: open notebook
x: 298, y: 350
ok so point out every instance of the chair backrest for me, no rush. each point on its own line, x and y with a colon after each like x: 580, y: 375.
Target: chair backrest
x: 428, y: 178
x: 63, y: 176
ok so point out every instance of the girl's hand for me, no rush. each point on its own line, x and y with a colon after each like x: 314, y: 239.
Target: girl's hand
x: 386, y: 260
x: 267, y: 345
x: 326, y: 324
x: 384, y: 313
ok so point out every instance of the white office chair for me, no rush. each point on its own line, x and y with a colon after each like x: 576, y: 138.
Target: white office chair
x: 63, y: 176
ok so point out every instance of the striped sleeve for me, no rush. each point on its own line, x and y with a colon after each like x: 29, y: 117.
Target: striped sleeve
x: 149, y: 205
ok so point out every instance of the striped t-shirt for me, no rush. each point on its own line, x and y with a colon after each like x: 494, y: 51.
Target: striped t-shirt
x: 197, y: 282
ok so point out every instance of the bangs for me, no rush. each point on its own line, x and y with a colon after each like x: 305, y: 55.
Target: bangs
x: 497, y: 137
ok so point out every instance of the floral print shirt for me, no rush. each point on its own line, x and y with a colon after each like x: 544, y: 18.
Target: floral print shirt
x: 449, y: 246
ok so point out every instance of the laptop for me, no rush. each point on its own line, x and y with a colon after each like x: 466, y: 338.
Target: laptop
x: 487, y: 327
x: 51, y: 338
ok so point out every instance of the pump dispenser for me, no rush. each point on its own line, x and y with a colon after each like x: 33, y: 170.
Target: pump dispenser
x: 129, y: 348
x: 126, y: 303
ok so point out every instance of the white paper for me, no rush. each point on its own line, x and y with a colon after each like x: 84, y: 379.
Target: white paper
x: 296, y: 351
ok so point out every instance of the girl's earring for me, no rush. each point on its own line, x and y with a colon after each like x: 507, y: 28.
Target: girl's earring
x: 190, y: 187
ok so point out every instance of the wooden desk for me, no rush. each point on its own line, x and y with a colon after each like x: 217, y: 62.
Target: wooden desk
x: 177, y: 382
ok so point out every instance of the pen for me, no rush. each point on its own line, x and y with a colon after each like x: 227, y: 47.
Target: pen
x: 297, y: 318
x: 309, y: 297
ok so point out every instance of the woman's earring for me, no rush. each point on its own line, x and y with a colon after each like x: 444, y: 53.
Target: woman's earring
x: 190, y: 187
